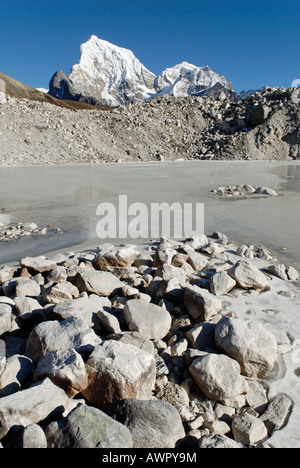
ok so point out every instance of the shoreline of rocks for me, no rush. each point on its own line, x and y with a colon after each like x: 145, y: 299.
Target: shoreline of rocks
x: 18, y: 231
x: 246, y: 190
x: 123, y: 347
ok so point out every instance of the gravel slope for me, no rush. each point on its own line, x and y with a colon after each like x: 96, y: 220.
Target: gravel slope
x: 262, y: 127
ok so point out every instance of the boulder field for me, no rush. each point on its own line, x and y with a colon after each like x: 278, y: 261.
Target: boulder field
x: 121, y: 347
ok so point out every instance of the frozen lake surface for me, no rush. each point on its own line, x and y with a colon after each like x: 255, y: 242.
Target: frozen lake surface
x: 67, y: 197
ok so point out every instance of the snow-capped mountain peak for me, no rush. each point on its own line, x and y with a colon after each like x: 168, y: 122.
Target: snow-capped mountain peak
x: 110, y: 75
x: 185, y: 79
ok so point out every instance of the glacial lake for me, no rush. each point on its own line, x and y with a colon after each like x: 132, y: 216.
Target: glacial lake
x: 67, y: 197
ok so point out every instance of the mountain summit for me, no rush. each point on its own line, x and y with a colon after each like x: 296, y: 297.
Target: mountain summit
x: 186, y: 79
x: 110, y: 75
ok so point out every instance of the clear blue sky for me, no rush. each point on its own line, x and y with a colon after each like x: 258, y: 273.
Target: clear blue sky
x: 253, y: 43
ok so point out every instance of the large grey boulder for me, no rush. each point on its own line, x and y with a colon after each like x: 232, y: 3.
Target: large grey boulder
x: 152, y: 423
x: 88, y: 427
x: 283, y: 272
x: 86, y: 308
x: 117, y: 371
x: 60, y: 292
x: 38, y: 264
x: 169, y: 272
x: 277, y: 414
x: 249, y: 343
x: 221, y: 283
x: 215, y: 250
x: 32, y: 405
x: 6, y: 273
x: 149, y: 320
x: 29, y: 308
x: 58, y: 274
x: 258, y: 114
x: 34, y: 437
x: 6, y: 309
x: 201, y: 304
x: 109, y: 321
x: 220, y: 237
x: 197, y: 261
x: 164, y: 254
x: 218, y: 377
x: 102, y: 283
x: 292, y: 273
x: 65, y: 368
x: 257, y: 397
x: 116, y: 257
x: 248, y: 276
x: 27, y: 287
x: 248, y: 430
x: 65, y: 335
x: 17, y: 369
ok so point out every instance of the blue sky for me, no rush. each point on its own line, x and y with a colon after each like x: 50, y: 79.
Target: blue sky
x: 253, y: 43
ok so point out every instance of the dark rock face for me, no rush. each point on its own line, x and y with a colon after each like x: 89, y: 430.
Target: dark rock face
x: 61, y: 87
x: 258, y: 115
x: 153, y: 424
x: 88, y: 427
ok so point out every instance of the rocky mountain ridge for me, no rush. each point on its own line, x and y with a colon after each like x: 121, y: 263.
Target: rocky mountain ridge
x: 11, y: 88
